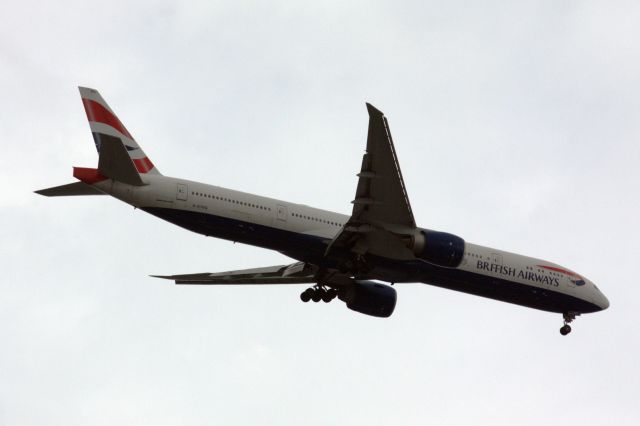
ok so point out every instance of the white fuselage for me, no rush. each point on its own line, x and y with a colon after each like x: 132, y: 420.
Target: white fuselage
x: 297, y: 229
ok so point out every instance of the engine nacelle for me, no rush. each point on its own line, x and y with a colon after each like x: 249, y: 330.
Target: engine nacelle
x: 439, y: 248
x: 370, y: 298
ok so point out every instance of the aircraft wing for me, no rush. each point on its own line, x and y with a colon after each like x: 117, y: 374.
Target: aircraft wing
x: 381, y: 196
x: 297, y: 273
x: 382, y: 219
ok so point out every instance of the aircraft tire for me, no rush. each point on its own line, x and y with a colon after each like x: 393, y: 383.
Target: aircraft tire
x: 565, y: 329
x: 332, y: 292
x: 305, y: 296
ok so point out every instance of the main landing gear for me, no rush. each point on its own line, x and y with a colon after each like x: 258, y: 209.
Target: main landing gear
x: 568, y: 317
x: 318, y: 293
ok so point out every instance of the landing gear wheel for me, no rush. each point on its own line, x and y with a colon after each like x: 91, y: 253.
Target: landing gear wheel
x: 316, y: 295
x: 332, y: 293
x: 305, y: 296
x: 565, y: 329
x: 568, y: 317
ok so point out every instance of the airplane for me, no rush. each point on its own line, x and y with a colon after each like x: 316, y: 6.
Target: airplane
x: 350, y: 257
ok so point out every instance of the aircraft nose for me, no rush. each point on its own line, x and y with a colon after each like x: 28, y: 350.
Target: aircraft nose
x: 603, y: 302
x: 600, y: 300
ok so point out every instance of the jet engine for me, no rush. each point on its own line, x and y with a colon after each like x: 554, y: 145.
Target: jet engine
x: 439, y: 248
x: 370, y: 298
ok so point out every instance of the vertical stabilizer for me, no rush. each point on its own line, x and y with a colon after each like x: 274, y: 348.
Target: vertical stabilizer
x: 106, y: 128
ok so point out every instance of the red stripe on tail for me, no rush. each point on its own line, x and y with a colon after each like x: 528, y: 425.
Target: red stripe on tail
x: 143, y: 165
x: 98, y: 113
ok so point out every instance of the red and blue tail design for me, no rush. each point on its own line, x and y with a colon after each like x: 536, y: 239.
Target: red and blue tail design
x: 105, y: 126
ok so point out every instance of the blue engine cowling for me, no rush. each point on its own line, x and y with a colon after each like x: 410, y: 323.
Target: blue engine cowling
x: 370, y: 298
x: 439, y: 248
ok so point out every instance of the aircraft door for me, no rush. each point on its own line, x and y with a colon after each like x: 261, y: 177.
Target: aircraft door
x: 282, y: 213
x: 181, y: 194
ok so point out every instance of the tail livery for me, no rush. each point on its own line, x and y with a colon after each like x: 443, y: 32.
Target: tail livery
x: 105, y: 126
x: 120, y: 156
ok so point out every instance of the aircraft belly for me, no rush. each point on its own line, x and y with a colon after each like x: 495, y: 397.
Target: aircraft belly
x: 311, y: 248
x: 506, y: 291
x: 480, y: 285
x: 243, y: 231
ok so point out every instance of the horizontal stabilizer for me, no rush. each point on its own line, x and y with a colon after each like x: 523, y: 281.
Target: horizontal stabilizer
x: 114, y: 162
x: 76, y: 188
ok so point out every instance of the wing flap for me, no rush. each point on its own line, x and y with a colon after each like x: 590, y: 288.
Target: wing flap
x: 297, y: 273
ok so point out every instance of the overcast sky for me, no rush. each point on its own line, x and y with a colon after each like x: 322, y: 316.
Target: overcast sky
x: 516, y: 127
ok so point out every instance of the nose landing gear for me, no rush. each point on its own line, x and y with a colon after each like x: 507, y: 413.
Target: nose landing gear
x: 568, y: 317
x: 318, y: 293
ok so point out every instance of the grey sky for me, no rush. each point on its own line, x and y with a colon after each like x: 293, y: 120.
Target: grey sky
x: 516, y: 127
